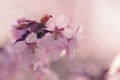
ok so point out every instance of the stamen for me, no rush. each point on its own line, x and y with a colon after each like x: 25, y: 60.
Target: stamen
x: 32, y: 46
x: 45, y: 18
x: 58, y: 33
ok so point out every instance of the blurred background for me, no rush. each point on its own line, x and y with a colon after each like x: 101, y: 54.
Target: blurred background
x: 99, y: 18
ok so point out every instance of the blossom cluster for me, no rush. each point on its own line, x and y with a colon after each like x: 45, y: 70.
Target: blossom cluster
x: 39, y: 43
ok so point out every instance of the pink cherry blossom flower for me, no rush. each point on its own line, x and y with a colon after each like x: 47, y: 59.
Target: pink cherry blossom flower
x: 61, y: 29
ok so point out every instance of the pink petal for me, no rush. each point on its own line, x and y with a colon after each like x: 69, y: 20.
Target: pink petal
x: 17, y: 33
x: 62, y: 22
x: 31, y: 38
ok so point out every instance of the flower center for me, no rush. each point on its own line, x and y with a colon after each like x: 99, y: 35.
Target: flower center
x: 58, y: 32
x: 32, y: 46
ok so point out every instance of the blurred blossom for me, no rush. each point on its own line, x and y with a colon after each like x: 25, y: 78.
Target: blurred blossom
x: 79, y: 70
x: 114, y: 71
x: 79, y: 77
x: 16, y: 67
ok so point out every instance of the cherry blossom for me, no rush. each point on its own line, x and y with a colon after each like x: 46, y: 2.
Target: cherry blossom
x: 40, y: 43
x: 61, y: 29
